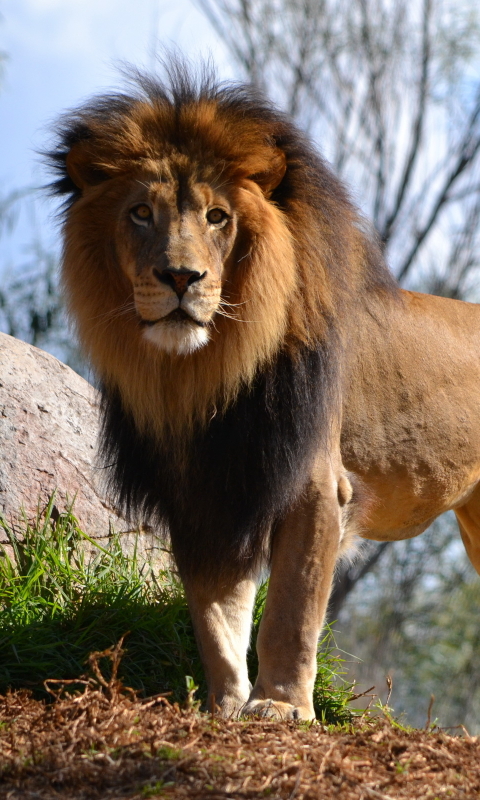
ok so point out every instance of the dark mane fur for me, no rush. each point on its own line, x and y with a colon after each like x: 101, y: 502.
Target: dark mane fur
x: 241, y: 474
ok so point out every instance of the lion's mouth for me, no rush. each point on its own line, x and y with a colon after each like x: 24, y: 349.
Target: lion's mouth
x: 178, y: 315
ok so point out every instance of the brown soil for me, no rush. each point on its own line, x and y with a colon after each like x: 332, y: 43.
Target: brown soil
x: 104, y: 742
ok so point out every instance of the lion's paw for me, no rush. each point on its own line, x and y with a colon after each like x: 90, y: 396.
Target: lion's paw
x: 274, y: 709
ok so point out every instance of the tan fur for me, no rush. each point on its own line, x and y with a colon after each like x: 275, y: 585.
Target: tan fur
x: 405, y: 421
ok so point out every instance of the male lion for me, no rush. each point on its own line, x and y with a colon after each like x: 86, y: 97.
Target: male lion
x: 268, y: 390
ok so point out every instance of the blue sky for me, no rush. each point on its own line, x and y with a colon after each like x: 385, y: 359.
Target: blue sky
x: 60, y: 52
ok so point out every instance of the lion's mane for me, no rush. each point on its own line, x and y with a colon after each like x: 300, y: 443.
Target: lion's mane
x: 217, y: 444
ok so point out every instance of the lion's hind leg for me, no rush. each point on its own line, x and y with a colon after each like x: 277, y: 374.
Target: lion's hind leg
x: 468, y: 518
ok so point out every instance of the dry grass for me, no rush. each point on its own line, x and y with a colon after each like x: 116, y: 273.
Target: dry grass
x: 105, y: 742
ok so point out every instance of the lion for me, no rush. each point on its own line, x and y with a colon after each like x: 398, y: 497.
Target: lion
x: 269, y: 393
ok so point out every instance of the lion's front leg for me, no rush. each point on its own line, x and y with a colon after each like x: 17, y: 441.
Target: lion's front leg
x: 304, y: 553
x: 222, y: 620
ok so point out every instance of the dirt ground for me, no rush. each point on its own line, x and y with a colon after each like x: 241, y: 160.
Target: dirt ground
x: 104, y: 742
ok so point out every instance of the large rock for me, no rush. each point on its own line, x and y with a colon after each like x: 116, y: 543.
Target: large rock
x: 48, y: 433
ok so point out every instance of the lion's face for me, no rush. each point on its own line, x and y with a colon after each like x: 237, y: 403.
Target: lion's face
x: 174, y: 240
x: 179, y: 265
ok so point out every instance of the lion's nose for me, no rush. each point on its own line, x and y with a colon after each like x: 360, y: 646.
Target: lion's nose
x: 178, y: 279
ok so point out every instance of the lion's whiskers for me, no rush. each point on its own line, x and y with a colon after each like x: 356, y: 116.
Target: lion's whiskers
x: 229, y: 316
x: 114, y: 313
x: 232, y: 305
x: 225, y: 304
x: 118, y: 311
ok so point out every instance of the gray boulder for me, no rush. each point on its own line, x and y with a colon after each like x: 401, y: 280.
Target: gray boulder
x: 48, y: 434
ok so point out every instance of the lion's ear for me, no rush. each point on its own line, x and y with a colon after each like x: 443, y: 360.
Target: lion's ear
x: 82, y: 167
x: 269, y: 178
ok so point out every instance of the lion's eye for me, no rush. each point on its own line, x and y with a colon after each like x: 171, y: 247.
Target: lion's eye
x: 141, y: 214
x: 216, y: 215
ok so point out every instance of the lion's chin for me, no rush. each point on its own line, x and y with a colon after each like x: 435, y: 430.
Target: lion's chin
x: 177, y: 338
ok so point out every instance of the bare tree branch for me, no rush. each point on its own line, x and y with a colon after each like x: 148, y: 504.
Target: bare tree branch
x: 418, y: 125
x: 466, y: 155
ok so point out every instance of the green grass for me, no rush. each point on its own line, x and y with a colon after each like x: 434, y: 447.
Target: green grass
x: 56, y: 607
